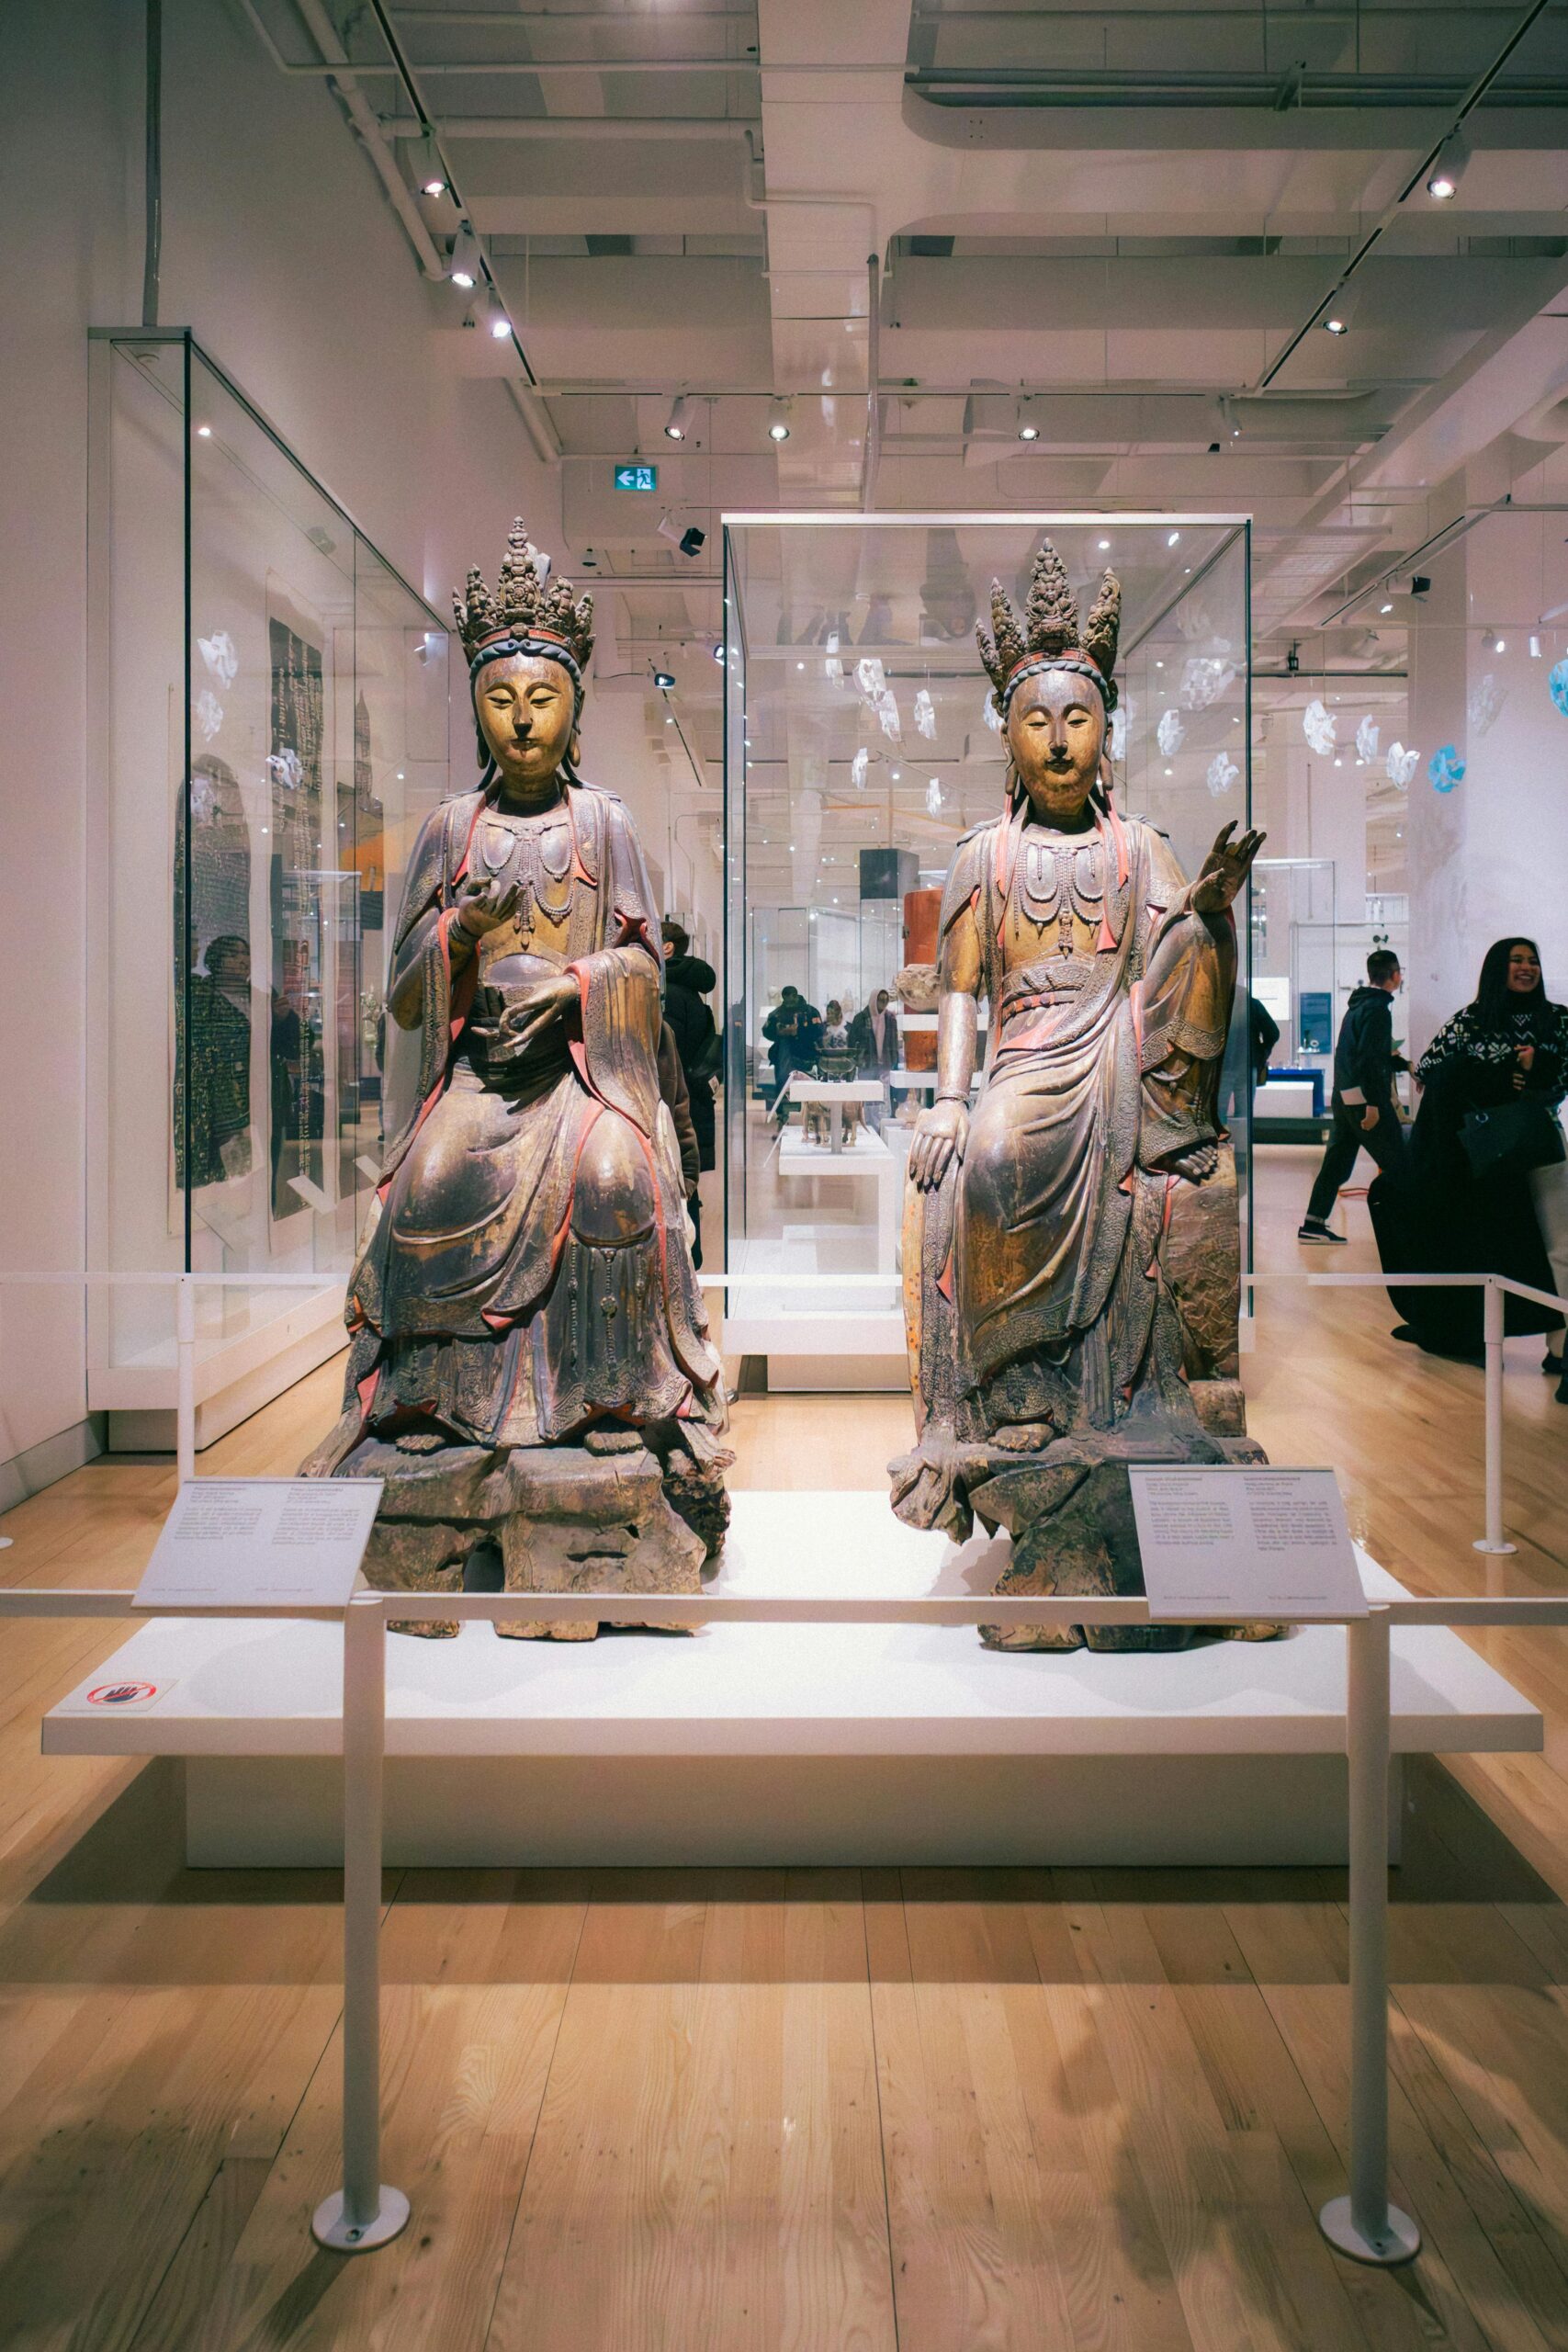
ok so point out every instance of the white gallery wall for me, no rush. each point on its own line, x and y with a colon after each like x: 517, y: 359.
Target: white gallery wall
x: 282, y: 255
x: 1486, y: 857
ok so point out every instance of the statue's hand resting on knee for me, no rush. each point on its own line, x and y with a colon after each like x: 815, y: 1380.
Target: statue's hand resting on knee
x: 941, y: 1137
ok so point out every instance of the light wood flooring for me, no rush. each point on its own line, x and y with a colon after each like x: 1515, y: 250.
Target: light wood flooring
x: 813, y: 2110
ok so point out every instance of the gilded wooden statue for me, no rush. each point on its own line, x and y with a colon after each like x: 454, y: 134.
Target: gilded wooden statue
x: 530, y: 1370
x: 1071, y: 1267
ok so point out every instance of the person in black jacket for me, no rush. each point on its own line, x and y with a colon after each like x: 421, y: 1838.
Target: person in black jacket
x: 687, y: 980
x: 1365, y: 1117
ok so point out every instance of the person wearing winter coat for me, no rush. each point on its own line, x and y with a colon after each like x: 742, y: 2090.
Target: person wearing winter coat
x: 1365, y: 1115
x: 687, y: 981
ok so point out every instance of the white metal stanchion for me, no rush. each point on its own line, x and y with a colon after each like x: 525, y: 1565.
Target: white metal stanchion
x: 1492, y: 1310
x: 1365, y: 2225
x: 184, y: 1379
x: 364, y: 2212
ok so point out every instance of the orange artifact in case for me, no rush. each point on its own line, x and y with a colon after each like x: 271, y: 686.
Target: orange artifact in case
x: 922, y: 914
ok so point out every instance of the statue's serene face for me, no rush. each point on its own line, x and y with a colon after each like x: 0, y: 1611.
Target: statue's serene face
x: 1055, y: 733
x: 525, y: 705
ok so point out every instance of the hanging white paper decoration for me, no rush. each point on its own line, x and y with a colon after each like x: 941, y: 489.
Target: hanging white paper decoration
x: 1401, y: 765
x: 925, y: 716
x: 991, y: 715
x: 858, y: 767
x: 222, y: 659
x: 1221, y: 774
x: 1318, y: 727
x: 1483, y: 702
x: 1118, y: 735
x: 933, y: 798
x: 208, y: 714
x: 1203, y: 680
x: 1170, y: 734
x: 870, y: 677
x: 1367, y: 735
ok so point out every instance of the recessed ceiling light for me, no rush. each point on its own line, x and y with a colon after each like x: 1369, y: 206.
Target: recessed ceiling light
x: 1173, y: 540
x: 1104, y: 546
x: 204, y: 432
x: 1385, y: 608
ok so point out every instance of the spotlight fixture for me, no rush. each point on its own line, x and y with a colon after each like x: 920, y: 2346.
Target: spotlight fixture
x: 1229, y: 420
x: 1027, y: 429
x: 675, y: 422
x: 1385, y: 608
x: 1535, y: 647
x: 1420, y: 585
x: 1498, y: 645
x: 429, y: 176
x: 1448, y: 168
x: 664, y: 680
x: 778, y: 420
x: 495, y: 317
x: 690, y: 541
x: 463, y: 269
x: 719, y: 655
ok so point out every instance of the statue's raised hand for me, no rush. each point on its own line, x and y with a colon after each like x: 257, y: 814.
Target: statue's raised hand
x: 941, y: 1136
x: 484, y: 906
x: 1224, y: 870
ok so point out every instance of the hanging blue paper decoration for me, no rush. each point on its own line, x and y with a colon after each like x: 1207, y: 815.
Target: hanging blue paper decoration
x: 1445, y: 768
x: 1557, y: 680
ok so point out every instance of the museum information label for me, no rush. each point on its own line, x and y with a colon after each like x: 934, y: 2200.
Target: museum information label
x: 228, y: 1541
x: 1245, y: 1542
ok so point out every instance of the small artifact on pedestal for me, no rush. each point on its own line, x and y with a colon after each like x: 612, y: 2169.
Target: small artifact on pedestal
x: 1071, y: 1251
x: 529, y: 1369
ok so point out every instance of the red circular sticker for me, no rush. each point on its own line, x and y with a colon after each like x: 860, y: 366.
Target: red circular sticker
x: 121, y: 1694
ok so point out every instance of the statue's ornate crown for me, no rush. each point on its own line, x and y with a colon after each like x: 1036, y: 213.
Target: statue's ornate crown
x: 525, y: 605
x: 1049, y: 634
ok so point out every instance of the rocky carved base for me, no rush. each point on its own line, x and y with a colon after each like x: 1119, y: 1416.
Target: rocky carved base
x: 607, y: 1515
x: 1068, y: 1508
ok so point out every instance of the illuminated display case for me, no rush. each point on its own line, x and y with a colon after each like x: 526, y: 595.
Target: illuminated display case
x: 269, y: 715
x: 857, y: 750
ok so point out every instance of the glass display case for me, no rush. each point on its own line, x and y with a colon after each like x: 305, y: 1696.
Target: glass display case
x: 859, y: 745
x: 269, y: 717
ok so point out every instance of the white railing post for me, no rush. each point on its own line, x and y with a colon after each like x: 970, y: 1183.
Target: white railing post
x: 1365, y: 2225
x: 184, y: 1380
x: 1493, y: 1305
x: 364, y: 2212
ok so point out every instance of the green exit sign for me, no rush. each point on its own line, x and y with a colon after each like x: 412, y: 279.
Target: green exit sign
x: 636, y: 477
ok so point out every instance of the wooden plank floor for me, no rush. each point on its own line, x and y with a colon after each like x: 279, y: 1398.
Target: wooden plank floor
x: 923, y: 2109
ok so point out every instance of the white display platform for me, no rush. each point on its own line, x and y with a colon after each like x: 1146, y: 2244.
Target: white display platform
x: 771, y: 1742
x: 862, y: 1154
x: 1283, y: 1098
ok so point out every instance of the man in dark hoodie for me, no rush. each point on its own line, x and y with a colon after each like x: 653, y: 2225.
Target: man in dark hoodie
x: 687, y: 980
x: 1365, y: 1115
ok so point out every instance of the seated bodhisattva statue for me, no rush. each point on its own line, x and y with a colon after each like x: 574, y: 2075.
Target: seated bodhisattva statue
x: 1071, y: 1265
x: 529, y: 1369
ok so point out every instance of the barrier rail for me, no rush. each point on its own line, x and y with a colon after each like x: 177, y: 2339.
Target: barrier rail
x: 365, y: 2213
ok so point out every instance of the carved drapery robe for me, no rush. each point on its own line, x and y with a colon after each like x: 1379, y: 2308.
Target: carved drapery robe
x: 1037, y: 1292
x: 525, y: 1273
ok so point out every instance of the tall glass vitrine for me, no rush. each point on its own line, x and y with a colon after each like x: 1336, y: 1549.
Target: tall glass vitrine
x: 858, y: 747
x: 269, y: 717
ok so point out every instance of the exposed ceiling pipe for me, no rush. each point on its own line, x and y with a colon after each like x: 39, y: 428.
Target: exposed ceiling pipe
x: 629, y: 128
x: 363, y: 117
x: 536, y: 421
x: 153, y: 178
x: 871, y: 454
x: 1472, y: 99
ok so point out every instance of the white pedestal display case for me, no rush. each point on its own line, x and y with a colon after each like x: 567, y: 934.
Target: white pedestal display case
x: 857, y: 751
x: 773, y: 1743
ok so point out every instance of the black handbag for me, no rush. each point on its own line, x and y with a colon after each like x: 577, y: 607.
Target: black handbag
x: 1511, y: 1139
